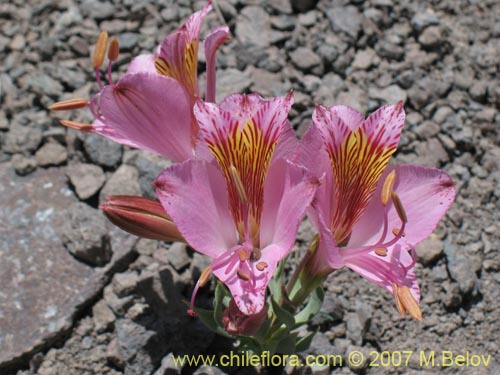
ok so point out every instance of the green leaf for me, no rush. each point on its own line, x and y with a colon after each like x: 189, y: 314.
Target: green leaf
x: 304, y: 342
x: 220, y: 293
x: 275, y: 288
x: 284, y: 316
x: 312, y: 307
x: 207, y: 317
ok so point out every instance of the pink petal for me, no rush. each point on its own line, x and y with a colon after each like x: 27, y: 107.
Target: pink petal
x: 287, y: 143
x: 211, y: 44
x: 193, y: 24
x: 194, y: 194
x: 330, y: 125
x: 142, y: 64
x: 383, y: 127
x: 151, y: 111
x: 288, y: 192
x: 349, y: 116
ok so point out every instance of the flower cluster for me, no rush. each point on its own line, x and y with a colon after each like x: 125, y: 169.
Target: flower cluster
x: 242, y: 184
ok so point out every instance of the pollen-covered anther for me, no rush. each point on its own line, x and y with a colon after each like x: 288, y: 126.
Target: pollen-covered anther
x: 243, y: 255
x: 238, y: 184
x: 205, y: 276
x: 256, y: 253
x: 399, y: 207
x: 100, y: 49
x: 381, y: 251
x: 261, y: 266
x: 243, y: 275
x: 397, y: 231
x: 114, y: 49
x: 77, y: 125
x: 407, y: 302
x: 387, y: 188
x: 70, y: 104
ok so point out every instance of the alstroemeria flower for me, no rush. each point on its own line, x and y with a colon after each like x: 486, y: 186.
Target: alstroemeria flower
x: 243, y: 207
x: 370, y: 215
x: 151, y: 106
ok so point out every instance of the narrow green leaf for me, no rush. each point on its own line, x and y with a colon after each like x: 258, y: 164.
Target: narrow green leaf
x: 284, y: 316
x: 304, y: 342
x: 312, y: 307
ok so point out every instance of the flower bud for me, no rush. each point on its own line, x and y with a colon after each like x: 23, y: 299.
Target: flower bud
x: 142, y: 217
x: 238, y: 324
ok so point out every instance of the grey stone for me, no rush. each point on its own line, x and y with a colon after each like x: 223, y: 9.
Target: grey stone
x: 125, y: 283
x: 429, y: 250
x: 250, y: 19
x: 346, y: 19
x: 303, y: 5
x: 22, y: 139
x: 304, y: 58
x: 128, y: 41
x: 320, y: 345
x: 86, y: 178
x: 103, y: 151
x: 178, y: 256
x: 149, y: 166
x: 168, y: 366
x: 421, y: 20
x: 51, y: 154
x: 208, y: 370
x: 364, y: 59
x: 125, y: 181
x: 43, y: 84
x: 103, y: 316
x: 85, y: 235
x: 459, y: 267
x: 231, y: 81
x: 431, y: 37
x: 431, y: 153
x: 427, y: 129
x: 23, y: 165
x: 388, y: 95
x: 98, y: 10
x: 43, y: 286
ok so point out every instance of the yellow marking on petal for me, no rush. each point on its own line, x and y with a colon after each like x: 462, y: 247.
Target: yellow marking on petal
x: 100, y: 49
x: 261, y: 266
x: 388, y: 187
x: 238, y: 184
x: 114, y: 49
x: 407, y: 302
x: 381, y: 251
x: 205, y: 276
x: 69, y: 104
x: 357, y: 165
x: 399, y: 207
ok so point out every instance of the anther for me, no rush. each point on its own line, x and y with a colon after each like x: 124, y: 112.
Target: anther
x: 243, y: 275
x: 399, y: 207
x: 256, y: 253
x: 100, y: 49
x: 387, y: 187
x: 114, y: 50
x: 261, y: 266
x: 243, y: 255
x: 399, y: 305
x: 192, y: 313
x: 235, y: 176
x: 77, y: 125
x: 381, y: 251
x: 408, y: 302
x: 205, y: 276
x: 397, y: 231
x: 69, y: 104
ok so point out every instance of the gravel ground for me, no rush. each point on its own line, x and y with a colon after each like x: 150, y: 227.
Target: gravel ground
x: 77, y: 300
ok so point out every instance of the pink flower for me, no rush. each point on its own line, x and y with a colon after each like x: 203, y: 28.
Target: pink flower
x: 370, y: 215
x: 151, y: 106
x: 238, y: 324
x: 242, y: 206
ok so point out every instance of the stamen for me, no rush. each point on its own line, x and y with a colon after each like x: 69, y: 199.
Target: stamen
x: 100, y: 49
x: 261, y: 266
x: 114, y: 49
x: 256, y: 253
x: 205, y: 276
x: 240, y: 188
x: 397, y: 231
x: 70, y: 104
x: 387, y: 188
x: 243, y: 254
x: 243, y: 275
x: 399, y: 207
x: 381, y: 251
x: 399, y: 305
x: 408, y: 302
x: 77, y: 125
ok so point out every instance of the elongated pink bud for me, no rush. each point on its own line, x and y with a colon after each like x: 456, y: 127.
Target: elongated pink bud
x: 142, y: 217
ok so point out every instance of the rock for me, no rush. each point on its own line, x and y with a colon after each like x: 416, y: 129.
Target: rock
x: 43, y: 84
x: 125, y: 283
x: 320, y: 345
x: 114, y: 355
x: 345, y: 19
x: 43, y: 286
x: 208, y: 370
x: 364, y: 59
x: 23, y: 165
x: 86, y: 178
x: 123, y: 182
x: 304, y: 58
x: 103, y: 316
x: 51, y: 154
x: 85, y: 235
x: 250, y: 19
x: 452, y: 298
x: 22, y: 139
x: 231, y: 81
x: 430, y: 38
x: 331, y: 311
x: 429, y: 250
x: 301, y: 6
x: 177, y: 255
x: 149, y: 166
x: 427, y: 129
x: 103, y: 151
x: 424, y: 19
x: 98, y: 10
x: 388, y: 95
x: 127, y: 41
x: 168, y: 366
x: 18, y: 42
x: 459, y: 267
x: 431, y: 153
